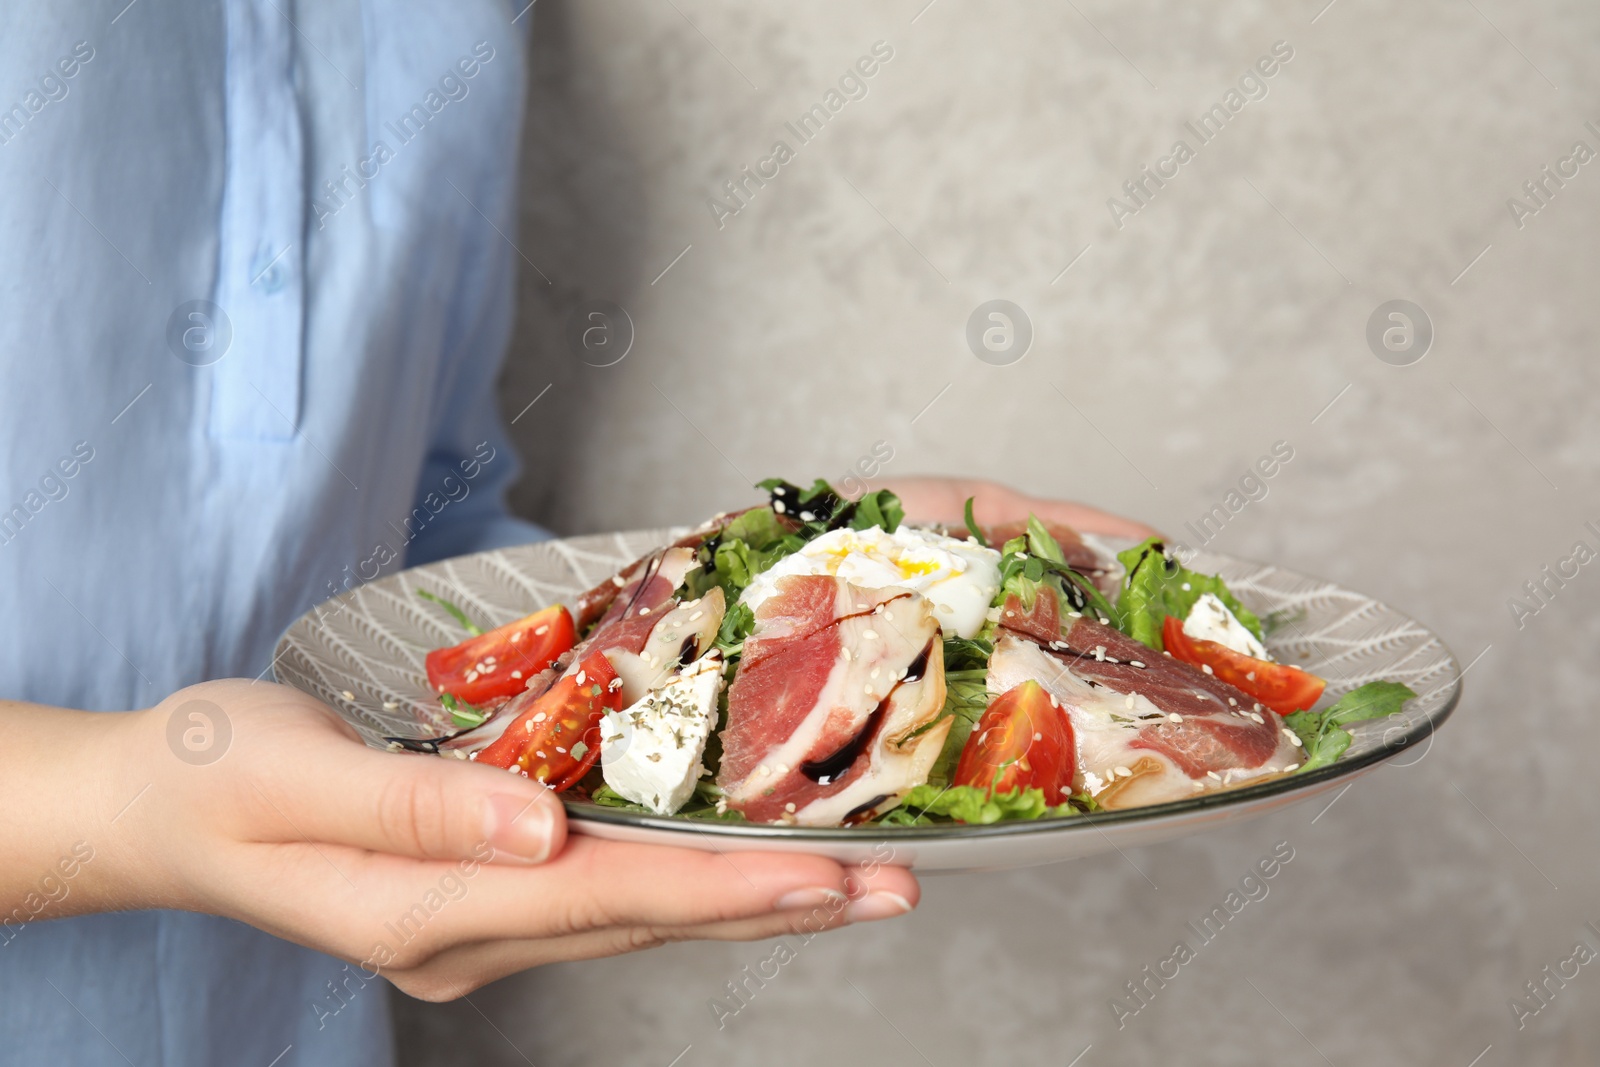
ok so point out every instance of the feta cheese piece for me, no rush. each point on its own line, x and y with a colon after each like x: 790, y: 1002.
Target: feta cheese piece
x: 1210, y: 620
x: 650, y: 751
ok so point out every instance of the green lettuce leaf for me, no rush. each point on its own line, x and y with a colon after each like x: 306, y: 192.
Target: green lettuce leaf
x: 1323, y: 732
x: 966, y: 697
x: 1157, y: 585
x: 975, y: 806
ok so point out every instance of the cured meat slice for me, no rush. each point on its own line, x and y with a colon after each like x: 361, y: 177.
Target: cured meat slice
x: 594, y: 603
x: 1147, y: 733
x: 682, y: 634
x: 829, y: 713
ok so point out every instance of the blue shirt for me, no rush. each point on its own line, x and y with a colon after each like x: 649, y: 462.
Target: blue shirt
x: 255, y: 283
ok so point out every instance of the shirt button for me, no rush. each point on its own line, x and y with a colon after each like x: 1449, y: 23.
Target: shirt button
x: 268, y: 271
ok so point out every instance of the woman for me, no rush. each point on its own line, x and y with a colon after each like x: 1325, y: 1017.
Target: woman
x: 258, y: 281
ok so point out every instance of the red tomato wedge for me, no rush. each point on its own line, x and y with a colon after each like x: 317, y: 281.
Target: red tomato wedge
x: 557, y: 739
x: 500, y: 662
x: 1022, y: 739
x: 1282, y: 688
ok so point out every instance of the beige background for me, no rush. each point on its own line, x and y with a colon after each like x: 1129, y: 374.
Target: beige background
x: 1225, y: 316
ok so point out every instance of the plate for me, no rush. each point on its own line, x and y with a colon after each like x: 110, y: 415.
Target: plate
x: 362, y: 652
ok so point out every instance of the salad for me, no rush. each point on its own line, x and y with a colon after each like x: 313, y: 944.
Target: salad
x: 816, y: 661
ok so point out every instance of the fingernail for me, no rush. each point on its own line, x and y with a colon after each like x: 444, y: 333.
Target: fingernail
x: 879, y: 905
x: 519, y: 828
x: 810, y: 898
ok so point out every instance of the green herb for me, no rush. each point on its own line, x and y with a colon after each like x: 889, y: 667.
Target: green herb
x: 975, y: 806
x: 966, y: 696
x: 972, y: 525
x: 463, y: 714
x: 1033, y: 565
x: 1323, y: 732
x: 881, y: 508
x: 455, y: 612
x: 960, y: 654
x: 578, y: 750
x: 701, y: 805
x: 822, y: 508
x: 1157, y: 585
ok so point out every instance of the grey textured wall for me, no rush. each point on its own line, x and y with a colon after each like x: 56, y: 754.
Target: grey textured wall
x: 1228, y: 313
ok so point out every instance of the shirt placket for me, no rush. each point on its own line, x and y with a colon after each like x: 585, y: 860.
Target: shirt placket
x: 260, y: 287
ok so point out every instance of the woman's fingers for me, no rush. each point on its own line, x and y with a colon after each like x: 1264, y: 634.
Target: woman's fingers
x: 461, y: 969
x: 595, y: 884
x: 341, y: 792
x: 400, y: 910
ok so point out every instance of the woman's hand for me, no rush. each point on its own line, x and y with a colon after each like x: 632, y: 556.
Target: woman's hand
x: 253, y: 801
x: 943, y: 500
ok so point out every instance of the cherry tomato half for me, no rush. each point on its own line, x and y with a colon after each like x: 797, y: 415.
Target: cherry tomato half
x: 1282, y: 688
x: 500, y: 662
x: 557, y: 738
x: 1022, y: 739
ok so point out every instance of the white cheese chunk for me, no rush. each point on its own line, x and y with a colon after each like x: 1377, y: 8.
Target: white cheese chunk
x: 1210, y: 620
x: 650, y: 751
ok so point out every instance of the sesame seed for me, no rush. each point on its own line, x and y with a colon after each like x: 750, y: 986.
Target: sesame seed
x: 874, y: 673
x: 351, y: 696
x: 1175, y: 717
x: 1207, y: 668
x: 789, y: 807
x: 1291, y: 767
x: 1251, y: 676
x: 581, y: 678
x: 389, y: 705
x: 540, y: 754
x: 1128, y: 701
x: 516, y: 674
x: 644, y: 611
x: 541, y: 717
x: 1121, y: 772
x: 870, y: 635
x: 1232, y: 703
x: 777, y: 505
x: 541, y: 631
x: 1214, y: 774
x: 696, y: 616
x: 763, y: 770
x: 1135, y: 663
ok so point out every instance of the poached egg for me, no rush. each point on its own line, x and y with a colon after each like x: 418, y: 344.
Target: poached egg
x: 959, y: 578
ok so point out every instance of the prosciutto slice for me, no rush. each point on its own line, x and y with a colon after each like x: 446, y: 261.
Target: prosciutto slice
x: 824, y: 714
x: 1149, y: 728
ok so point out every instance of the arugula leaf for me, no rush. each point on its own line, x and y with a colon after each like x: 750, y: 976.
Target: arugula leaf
x: 1157, y: 585
x: 972, y: 526
x: 701, y: 805
x: 463, y: 714
x: 966, y: 697
x: 1323, y: 732
x: 881, y: 508
x: 822, y: 508
x: 960, y: 654
x: 975, y: 806
x: 456, y: 613
x: 737, y: 623
x: 1034, y: 564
